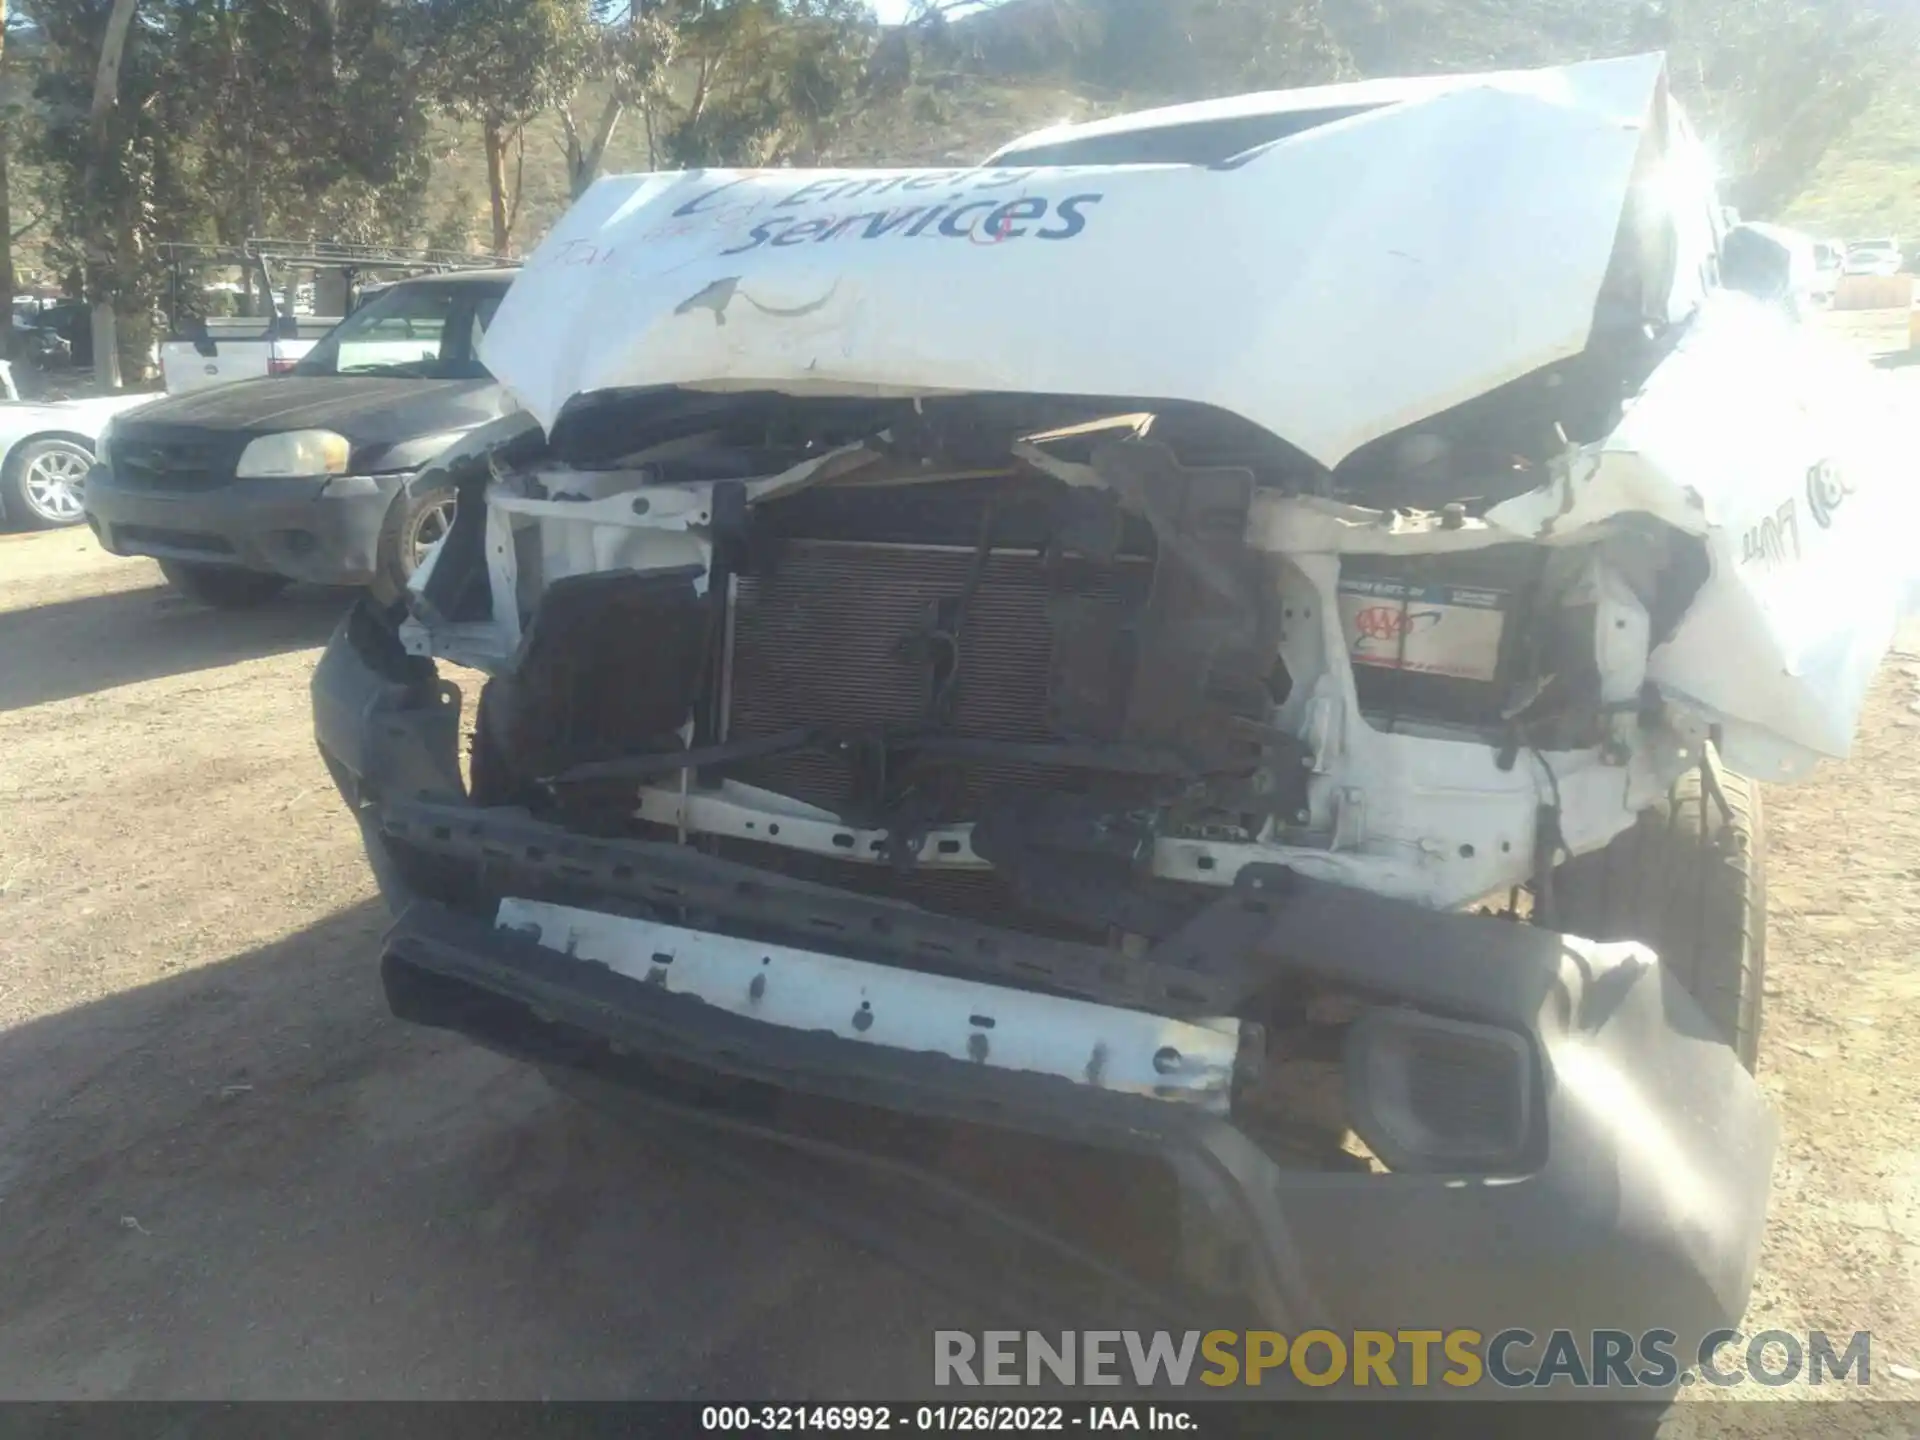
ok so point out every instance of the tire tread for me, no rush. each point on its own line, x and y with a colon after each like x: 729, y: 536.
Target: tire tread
x: 1691, y: 884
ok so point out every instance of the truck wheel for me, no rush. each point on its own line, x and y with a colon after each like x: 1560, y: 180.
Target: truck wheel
x: 415, y: 523
x: 1688, y: 880
x: 224, y: 587
x: 42, y: 483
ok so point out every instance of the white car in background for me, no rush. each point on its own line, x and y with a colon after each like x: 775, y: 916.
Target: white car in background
x: 46, y: 449
x: 1873, y: 257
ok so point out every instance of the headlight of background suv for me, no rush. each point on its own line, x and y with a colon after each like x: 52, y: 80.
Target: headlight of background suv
x: 297, y: 452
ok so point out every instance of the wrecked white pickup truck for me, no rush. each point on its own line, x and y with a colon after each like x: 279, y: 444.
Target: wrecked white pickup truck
x: 1206, y: 635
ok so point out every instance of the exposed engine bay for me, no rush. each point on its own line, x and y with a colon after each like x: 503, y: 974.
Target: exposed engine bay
x: 1067, y: 670
x: 1079, y: 660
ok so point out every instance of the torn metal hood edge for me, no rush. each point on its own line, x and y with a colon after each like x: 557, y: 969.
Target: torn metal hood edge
x: 1333, y: 287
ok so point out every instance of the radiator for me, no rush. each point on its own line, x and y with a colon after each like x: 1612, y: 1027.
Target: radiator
x: 818, y: 642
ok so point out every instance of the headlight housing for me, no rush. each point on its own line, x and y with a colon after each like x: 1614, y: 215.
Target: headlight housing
x: 100, y: 453
x: 295, y: 452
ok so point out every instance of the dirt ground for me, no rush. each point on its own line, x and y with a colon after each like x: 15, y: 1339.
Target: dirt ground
x: 224, y: 1172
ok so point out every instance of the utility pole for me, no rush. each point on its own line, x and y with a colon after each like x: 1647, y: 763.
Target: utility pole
x: 102, y: 225
x: 6, y: 200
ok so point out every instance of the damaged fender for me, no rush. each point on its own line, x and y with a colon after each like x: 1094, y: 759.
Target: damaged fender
x: 1780, y: 451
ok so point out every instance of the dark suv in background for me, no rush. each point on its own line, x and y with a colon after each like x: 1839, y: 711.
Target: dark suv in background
x: 240, y: 490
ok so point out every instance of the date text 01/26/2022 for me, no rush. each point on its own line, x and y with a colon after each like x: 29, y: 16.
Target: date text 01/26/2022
x: 759, y: 1419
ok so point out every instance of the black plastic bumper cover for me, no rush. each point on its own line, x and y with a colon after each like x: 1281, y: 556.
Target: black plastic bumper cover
x: 1645, y: 1211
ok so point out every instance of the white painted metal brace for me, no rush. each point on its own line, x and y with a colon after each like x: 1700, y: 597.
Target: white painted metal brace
x: 1100, y: 1046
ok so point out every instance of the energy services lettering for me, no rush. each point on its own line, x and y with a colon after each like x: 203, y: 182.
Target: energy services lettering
x: 964, y: 213
x: 987, y: 222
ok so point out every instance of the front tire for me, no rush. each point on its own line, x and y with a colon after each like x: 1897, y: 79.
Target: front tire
x: 416, y: 522
x: 1688, y: 880
x: 43, y: 484
x: 223, y: 587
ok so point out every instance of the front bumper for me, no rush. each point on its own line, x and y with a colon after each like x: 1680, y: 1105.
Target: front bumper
x: 323, y: 531
x: 1643, y: 1209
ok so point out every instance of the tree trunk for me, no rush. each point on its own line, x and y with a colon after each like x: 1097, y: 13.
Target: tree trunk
x: 571, y: 148
x: 6, y: 202
x: 100, y: 278
x: 496, y: 143
x: 106, y: 345
x: 519, y: 180
x: 585, y: 166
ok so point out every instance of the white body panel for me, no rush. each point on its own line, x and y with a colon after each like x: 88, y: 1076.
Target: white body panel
x: 23, y: 420
x: 1872, y: 262
x: 1099, y: 1046
x: 1787, y: 454
x: 242, y: 355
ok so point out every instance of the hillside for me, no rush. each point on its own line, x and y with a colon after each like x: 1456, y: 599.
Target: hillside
x: 994, y: 75
x: 1870, y: 185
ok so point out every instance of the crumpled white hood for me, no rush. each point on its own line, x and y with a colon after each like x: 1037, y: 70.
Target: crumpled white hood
x: 1333, y: 287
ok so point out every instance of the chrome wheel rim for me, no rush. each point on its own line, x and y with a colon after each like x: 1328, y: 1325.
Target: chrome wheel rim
x: 56, y: 484
x: 430, y: 527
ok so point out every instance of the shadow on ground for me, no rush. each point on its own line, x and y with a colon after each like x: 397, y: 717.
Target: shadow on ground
x: 248, y: 1181
x: 99, y: 642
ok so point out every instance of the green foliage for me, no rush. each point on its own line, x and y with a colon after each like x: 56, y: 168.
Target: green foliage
x: 502, y: 62
x: 931, y: 109
x: 632, y: 47
x: 626, y: 67
x: 235, y: 118
x: 1870, y: 182
x: 296, y: 119
x: 1212, y: 47
x: 1777, y: 83
x: 1774, y: 84
x: 764, y: 81
x: 454, y: 229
